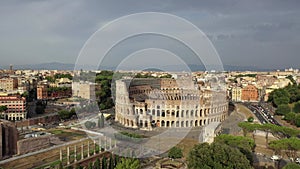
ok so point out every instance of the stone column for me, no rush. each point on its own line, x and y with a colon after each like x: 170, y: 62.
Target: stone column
x: 68, y: 155
x: 100, y: 144
x: 60, y: 155
x: 94, y: 147
x: 88, y: 147
x: 115, y: 144
x: 110, y: 146
x: 105, y: 143
x: 82, y: 151
x: 75, y: 154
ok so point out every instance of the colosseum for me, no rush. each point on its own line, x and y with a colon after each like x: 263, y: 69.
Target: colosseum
x: 153, y: 102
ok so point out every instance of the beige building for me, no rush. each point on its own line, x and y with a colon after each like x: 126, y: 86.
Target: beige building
x: 84, y: 90
x: 145, y: 103
x: 62, y: 82
x: 236, y: 94
x: 8, y: 84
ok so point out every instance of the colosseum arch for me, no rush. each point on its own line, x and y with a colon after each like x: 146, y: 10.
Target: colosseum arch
x: 163, y: 114
x: 163, y: 123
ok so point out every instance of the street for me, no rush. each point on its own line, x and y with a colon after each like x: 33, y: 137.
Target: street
x: 262, y: 113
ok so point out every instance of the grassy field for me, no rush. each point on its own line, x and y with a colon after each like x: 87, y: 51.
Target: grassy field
x: 244, y: 110
x: 68, y: 134
x: 186, y: 145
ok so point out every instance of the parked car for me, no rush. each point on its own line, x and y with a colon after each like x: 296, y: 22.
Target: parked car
x: 275, y: 158
x: 297, y: 160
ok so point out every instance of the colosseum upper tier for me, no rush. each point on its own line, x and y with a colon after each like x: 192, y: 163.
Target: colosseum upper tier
x: 152, y: 102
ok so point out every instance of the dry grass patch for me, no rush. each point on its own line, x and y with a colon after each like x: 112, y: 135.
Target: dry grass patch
x: 186, y: 145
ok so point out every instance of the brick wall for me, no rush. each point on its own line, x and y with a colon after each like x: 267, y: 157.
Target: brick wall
x: 33, y: 144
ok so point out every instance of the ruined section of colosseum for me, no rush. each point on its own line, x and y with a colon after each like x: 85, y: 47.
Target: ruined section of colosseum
x: 146, y: 103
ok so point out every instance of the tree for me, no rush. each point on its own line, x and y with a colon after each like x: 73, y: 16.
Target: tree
x: 65, y: 114
x: 111, y: 162
x: 116, y: 160
x: 25, y: 94
x: 279, y: 96
x: 89, y: 124
x: 3, y: 108
x: 50, y: 79
x: 79, y: 167
x: 248, y: 127
x: 166, y: 76
x: 277, y: 147
x: 58, y: 76
x: 296, y: 108
x: 103, y: 163
x: 104, y: 79
x: 283, y: 109
x: 175, y: 152
x: 60, y: 165
x: 297, y: 120
x: 290, y: 145
x: 128, y: 163
x: 40, y: 107
x: 291, y: 78
x: 290, y: 117
x: 250, y: 119
x: 217, y: 156
x: 294, y: 92
x: 291, y: 166
x: 244, y: 144
x: 97, y: 164
x: 90, y: 166
x: 277, y: 131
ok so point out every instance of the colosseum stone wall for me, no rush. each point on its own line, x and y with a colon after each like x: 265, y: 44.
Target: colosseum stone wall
x: 148, y: 103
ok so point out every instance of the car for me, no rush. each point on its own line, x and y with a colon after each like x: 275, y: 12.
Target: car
x: 297, y: 160
x: 275, y: 158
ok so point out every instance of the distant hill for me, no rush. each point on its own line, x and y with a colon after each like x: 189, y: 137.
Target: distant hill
x: 50, y: 66
x: 68, y: 66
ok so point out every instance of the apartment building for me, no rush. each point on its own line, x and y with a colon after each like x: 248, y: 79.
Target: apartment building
x: 16, y: 107
x: 8, y: 83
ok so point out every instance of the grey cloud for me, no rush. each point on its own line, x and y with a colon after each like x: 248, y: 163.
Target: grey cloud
x: 46, y: 31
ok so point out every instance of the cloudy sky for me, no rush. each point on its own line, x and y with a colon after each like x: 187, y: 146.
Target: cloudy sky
x: 257, y: 33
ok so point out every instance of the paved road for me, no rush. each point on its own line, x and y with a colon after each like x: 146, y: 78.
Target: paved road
x: 262, y: 113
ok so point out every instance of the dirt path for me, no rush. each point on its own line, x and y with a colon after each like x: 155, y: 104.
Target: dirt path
x: 231, y: 123
x: 245, y: 112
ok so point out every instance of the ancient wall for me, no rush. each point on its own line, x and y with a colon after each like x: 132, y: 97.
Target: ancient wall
x: 1, y: 146
x: 8, y: 139
x: 33, y: 144
x: 37, y: 120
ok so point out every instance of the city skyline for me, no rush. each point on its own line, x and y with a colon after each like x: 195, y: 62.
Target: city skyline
x: 245, y: 33
x: 136, y: 84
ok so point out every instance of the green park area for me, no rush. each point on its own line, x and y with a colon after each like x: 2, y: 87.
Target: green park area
x: 287, y: 103
x: 67, y: 134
